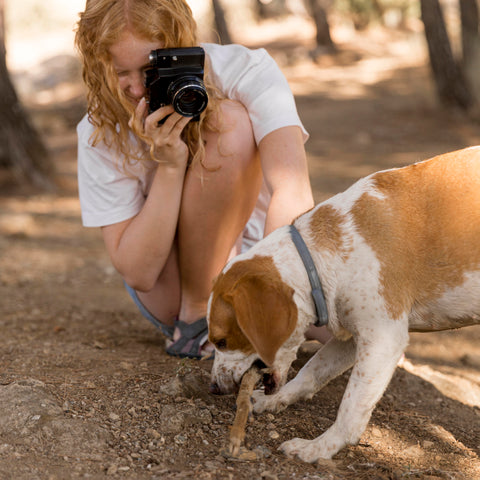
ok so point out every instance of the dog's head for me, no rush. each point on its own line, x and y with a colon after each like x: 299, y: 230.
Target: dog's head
x: 252, y: 317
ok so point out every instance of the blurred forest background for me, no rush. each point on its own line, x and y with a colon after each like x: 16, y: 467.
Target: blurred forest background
x: 42, y: 69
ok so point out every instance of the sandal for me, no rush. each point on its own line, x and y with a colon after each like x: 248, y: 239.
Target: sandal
x: 167, y: 330
x: 193, y: 337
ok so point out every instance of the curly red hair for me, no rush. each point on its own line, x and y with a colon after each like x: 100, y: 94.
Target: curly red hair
x: 169, y: 22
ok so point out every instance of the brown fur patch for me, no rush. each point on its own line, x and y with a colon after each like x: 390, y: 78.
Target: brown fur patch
x: 425, y: 232
x: 252, y: 308
x: 223, y: 326
x: 326, y: 227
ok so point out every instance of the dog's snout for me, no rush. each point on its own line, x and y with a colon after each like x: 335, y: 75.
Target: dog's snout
x: 215, y: 389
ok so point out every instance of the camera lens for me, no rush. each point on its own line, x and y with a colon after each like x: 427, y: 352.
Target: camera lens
x: 188, y: 96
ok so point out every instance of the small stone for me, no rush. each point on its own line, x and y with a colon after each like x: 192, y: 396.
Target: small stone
x: 273, y: 434
x: 153, y: 433
x: 413, y: 451
x: 180, y: 439
x: 262, y: 451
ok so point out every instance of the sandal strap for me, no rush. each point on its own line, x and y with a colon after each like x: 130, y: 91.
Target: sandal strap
x: 196, y: 334
x: 167, y: 330
x: 191, y: 330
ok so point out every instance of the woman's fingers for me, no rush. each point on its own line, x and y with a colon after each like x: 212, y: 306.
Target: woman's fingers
x: 163, y: 120
x: 152, y: 122
x: 137, y: 121
x: 164, y: 127
x: 175, y: 124
x: 167, y: 132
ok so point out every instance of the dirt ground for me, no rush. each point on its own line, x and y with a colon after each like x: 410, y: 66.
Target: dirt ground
x: 86, y: 387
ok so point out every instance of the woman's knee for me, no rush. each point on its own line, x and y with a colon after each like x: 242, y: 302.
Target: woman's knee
x: 163, y: 300
x: 233, y: 147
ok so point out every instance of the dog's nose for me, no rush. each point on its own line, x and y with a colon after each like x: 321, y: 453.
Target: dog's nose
x: 215, y: 389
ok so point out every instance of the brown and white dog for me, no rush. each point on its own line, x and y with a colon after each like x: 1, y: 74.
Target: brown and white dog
x: 397, y: 251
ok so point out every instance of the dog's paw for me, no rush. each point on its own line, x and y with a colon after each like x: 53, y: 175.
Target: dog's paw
x: 305, y: 450
x: 269, y: 403
x: 310, y: 451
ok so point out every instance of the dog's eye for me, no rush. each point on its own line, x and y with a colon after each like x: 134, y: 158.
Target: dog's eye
x: 221, y: 343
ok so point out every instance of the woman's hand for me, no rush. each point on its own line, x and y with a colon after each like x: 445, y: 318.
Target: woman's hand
x: 169, y: 148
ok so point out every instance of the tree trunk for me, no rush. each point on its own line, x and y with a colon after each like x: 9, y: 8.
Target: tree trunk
x: 318, y: 10
x: 469, y: 20
x: 470, y: 45
x: 221, y: 23
x: 451, y: 85
x: 21, y: 148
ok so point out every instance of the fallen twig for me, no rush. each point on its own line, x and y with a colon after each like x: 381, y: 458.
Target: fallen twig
x: 244, y: 408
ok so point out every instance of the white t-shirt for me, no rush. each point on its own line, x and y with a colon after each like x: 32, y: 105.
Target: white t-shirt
x: 110, y: 195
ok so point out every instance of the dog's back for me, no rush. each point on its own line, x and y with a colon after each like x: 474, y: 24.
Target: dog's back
x: 422, y: 224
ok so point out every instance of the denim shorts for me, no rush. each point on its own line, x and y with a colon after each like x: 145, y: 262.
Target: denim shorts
x: 166, y: 329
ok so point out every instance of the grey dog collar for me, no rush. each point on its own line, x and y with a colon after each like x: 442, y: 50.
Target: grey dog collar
x: 317, y: 291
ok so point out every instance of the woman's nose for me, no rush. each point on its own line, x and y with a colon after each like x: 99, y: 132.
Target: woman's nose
x: 137, y: 85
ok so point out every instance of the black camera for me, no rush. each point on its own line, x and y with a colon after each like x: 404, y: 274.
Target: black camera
x: 176, y: 78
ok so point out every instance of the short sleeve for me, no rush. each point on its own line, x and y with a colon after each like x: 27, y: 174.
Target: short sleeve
x: 253, y: 78
x: 107, y: 195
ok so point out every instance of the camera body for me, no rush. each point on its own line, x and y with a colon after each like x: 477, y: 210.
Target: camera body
x: 176, y: 78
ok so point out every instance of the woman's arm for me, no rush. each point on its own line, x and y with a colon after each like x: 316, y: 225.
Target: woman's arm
x: 285, y: 171
x: 140, y: 247
x: 253, y: 78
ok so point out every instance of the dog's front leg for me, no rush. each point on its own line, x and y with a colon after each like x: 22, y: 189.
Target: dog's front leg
x: 375, y: 361
x: 331, y: 360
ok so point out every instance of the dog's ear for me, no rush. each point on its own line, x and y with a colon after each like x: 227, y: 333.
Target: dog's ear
x: 264, y: 310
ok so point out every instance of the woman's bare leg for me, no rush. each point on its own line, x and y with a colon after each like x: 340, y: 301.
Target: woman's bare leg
x: 163, y: 301
x: 216, y: 205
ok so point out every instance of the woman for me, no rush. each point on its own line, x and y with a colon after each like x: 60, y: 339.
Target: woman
x: 175, y: 198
